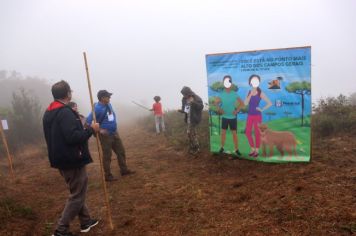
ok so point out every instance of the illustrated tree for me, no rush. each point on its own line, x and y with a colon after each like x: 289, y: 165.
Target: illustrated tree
x: 302, y: 88
x: 270, y: 114
x: 287, y: 113
x: 213, y: 104
x: 219, y: 87
x: 212, y: 109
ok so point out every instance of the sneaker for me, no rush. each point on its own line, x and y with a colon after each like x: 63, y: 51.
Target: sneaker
x: 251, y: 154
x: 128, y: 172
x: 86, y: 228
x: 255, y: 155
x: 110, y: 179
x: 221, y: 151
x: 58, y: 233
x: 238, y: 153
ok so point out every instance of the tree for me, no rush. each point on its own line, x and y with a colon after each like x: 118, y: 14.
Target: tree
x: 352, y: 99
x: 13, y: 81
x: 4, y: 112
x: 25, y: 118
x: 301, y: 88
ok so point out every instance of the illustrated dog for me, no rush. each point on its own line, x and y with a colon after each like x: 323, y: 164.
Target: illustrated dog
x: 282, y: 140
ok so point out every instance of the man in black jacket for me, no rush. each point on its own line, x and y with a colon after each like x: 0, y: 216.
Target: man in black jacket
x: 192, y: 106
x: 67, y: 144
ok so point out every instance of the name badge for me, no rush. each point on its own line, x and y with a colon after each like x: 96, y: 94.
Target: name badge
x: 111, y: 117
x: 186, y: 109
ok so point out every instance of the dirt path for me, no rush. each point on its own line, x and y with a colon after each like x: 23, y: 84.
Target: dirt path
x: 174, y: 194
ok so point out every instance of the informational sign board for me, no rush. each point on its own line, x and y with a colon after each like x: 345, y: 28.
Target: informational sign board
x: 4, y: 125
x: 260, y: 104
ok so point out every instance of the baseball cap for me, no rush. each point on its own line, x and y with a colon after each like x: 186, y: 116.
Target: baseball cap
x: 103, y: 93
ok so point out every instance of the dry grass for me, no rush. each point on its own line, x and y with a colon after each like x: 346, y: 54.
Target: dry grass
x: 174, y: 194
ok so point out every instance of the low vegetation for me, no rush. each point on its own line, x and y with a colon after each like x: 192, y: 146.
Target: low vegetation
x: 332, y: 115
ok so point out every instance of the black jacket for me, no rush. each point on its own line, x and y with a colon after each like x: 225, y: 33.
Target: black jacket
x: 67, y: 140
x: 196, y: 106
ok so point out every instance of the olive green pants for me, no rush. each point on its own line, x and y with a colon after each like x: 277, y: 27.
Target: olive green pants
x: 111, y: 143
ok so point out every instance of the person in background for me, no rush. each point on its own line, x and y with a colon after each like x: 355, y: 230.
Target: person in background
x: 74, y: 106
x: 109, y: 136
x: 158, y: 113
x: 192, y: 106
x: 67, y: 145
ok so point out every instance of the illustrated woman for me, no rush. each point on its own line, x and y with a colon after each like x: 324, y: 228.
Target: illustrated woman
x: 254, y: 115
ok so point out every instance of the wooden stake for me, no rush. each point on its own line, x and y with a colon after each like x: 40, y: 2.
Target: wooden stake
x: 100, y: 150
x: 7, y: 150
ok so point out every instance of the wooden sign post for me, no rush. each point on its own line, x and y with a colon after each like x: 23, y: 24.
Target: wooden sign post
x: 6, y: 147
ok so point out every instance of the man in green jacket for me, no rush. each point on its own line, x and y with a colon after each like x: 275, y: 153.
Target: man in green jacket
x: 192, y: 106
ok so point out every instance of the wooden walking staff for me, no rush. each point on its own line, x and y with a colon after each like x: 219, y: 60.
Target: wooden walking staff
x: 7, y: 149
x: 100, y: 150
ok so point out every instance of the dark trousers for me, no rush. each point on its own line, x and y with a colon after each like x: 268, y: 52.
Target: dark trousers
x: 111, y: 143
x: 77, y: 182
x: 193, y: 138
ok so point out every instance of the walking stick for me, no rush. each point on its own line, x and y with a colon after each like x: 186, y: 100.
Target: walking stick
x: 146, y: 108
x: 7, y: 149
x: 100, y: 150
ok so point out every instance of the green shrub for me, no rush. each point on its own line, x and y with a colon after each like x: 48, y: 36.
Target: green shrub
x: 176, y: 128
x: 334, y: 115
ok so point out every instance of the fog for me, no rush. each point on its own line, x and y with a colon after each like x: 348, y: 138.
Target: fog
x: 139, y: 49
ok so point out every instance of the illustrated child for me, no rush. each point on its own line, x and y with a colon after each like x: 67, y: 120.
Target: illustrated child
x: 229, y: 106
x: 158, y: 113
x: 254, y: 114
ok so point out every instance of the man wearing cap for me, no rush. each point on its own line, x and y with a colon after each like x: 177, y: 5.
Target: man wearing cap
x: 109, y: 137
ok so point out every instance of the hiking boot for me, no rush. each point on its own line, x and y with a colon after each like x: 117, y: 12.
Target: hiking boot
x: 221, y: 151
x: 110, y: 178
x: 86, y: 228
x: 58, y: 233
x: 128, y: 172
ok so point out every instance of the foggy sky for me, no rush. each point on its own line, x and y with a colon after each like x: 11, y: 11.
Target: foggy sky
x: 139, y: 49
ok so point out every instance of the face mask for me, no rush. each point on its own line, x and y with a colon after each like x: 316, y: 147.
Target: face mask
x: 227, y: 83
x: 255, y: 82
